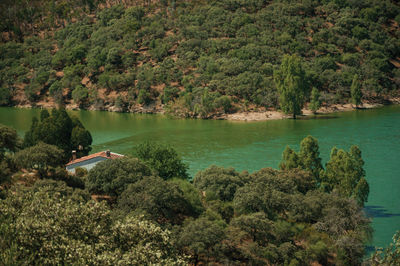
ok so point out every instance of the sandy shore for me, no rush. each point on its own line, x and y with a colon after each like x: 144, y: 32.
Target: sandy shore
x: 276, y: 115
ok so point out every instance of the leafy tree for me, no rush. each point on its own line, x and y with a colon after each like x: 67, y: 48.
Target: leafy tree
x: 9, y: 140
x: 309, y: 156
x: 162, y: 201
x: 255, y: 226
x: 290, y: 79
x: 5, y: 96
x: 191, y: 195
x: 39, y: 157
x: 60, y: 130
x: 345, y: 173
x: 80, y: 95
x: 219, y: 182
x: 315, y: 101
x: 163, y: 159
x: 112, y: 177
x: 201, y: 238
x: 290, y: 159
x: 81, y: 139
x: 356, y: 93
x: 389, y: 255
x: 68, y: 229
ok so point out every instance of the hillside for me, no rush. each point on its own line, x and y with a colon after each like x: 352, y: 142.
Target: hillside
x: 193, y: 58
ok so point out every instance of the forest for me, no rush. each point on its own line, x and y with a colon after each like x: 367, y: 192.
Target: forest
x: 198, y: 58
x: 144, y: 208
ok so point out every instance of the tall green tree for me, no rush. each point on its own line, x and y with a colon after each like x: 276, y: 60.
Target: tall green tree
x: 290, y: 80
x: 290, y: 159
x: 355, y: 90
x: 314, y: 101
x: 309, y: 156
x: 344, y: 173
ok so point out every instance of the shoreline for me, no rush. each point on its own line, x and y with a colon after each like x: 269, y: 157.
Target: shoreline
x: 249, y: 116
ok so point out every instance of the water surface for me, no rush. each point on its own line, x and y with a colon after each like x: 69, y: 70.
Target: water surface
x: 254, y: 145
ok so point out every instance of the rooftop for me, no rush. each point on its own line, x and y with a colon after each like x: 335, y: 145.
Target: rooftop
x: 103, y: 154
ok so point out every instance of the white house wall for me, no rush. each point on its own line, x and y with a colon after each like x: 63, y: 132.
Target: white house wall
x: 88, y: 164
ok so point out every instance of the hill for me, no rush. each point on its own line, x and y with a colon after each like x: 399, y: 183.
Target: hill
x: 193, y: 58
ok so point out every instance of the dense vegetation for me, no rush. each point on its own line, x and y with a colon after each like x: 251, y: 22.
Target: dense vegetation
x: 198, y: 58
x: 60, y: 130
x: 152, y: 213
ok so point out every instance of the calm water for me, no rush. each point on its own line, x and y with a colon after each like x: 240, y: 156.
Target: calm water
x: 254, y: 145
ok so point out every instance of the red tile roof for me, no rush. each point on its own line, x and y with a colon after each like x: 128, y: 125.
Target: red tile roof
x: 103, y: 154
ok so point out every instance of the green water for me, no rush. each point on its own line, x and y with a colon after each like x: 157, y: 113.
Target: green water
x: 254, y: 145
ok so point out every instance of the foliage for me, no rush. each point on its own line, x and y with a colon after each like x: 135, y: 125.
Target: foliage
x: 39, y: 157
x: 389, y: 255
x: 344, y: 172
x: 201, y: 239
x: 65, y: 229
x: 315, y: 102
x: 9, y: 140
x: 356, y: 93
x: 60, y: 130
x: 290, y: 79
x: 199, y: 58
x: 164, y: 202
x: 112, y: 177
x: 220, y: 183
x: 163, y: 159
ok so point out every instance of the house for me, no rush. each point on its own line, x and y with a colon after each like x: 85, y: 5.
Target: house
x: 88, y: 162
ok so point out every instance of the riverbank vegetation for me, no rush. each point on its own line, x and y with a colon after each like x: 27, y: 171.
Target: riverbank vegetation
x: 145, y: 209
x: 197, y: 58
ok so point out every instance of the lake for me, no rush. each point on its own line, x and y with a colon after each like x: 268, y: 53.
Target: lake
x: 254, y: 145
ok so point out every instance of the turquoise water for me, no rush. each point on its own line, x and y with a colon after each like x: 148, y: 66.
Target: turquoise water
x: 254, y: 145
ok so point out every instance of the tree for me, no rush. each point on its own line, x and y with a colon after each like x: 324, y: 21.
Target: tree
x: 80, y: 94
x: 65, y: 228
x: 162, y: 201
x: 315, y: 101
x: 219, y: 182
x: 61, y: 130
x: 164, y: 159
x: 290, y: 159
x: 256, y: 226
x: 112, y: 177
x: 39, y: 157
x: 290, y: 79
x: 201, y: 238
x: 389, y: 255
x: 9, y: 140
x: 355, y: 90
x: 309, y: 156
x: 81, y: 139
x: 345, y: 173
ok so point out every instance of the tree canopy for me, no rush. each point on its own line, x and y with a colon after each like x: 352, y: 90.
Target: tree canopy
x: 290, y: 80
x: 59, y: 129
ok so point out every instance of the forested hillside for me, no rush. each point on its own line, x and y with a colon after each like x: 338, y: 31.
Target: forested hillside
x: 194, y: 58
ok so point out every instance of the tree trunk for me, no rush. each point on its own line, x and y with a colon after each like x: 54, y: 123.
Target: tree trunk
x: 294, y: 115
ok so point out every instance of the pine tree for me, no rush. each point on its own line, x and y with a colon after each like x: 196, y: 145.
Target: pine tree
x: 290, y: 79
x: 355, y: 90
